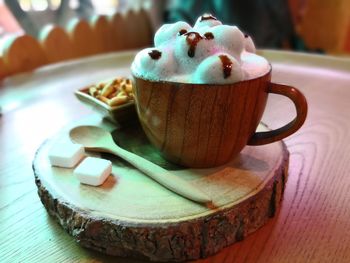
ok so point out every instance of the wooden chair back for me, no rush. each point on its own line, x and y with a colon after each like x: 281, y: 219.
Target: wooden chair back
x: 3, y: 69
x: 102, y: 31
x: 23, y: 53
x: 81, y: 38
x: 56, y: 44
x: 119, y: 34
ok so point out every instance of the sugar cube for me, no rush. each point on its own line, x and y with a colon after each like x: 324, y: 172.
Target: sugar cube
x: 66, y: 154
x: 93, y: 171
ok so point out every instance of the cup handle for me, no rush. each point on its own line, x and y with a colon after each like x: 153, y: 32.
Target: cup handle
x: 300, y: 104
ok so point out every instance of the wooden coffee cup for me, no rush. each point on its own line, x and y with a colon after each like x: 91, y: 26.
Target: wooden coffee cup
x: 206, y: 125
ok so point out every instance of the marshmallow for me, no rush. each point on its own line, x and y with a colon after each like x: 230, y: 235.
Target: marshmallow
x: 220, y: 68
x: 190, y: 56
x: 169, y: 31
x: 249, y: 44
x: 253, y: 65
x: 66, y: 154
x: 206, y: 21
x: 93, y: 171
x: 156, y: 63
x: 231, y: 38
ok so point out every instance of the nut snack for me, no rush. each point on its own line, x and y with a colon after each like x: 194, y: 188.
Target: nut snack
x: 115, y: 92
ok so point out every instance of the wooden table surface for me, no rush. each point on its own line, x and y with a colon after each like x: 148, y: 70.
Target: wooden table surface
x: 313, y: 224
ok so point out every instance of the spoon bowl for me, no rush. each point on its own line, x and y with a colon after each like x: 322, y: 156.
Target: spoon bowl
x: 91, y: 137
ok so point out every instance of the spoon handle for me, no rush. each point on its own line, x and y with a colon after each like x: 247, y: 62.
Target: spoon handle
x: 162, y: 176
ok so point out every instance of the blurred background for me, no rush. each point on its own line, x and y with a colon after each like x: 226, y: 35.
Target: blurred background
x: 321, y: 26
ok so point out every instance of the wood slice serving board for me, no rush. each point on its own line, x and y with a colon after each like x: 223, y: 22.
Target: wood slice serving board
x: 131, y: 215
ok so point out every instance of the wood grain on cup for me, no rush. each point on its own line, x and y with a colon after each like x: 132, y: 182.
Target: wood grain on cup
x: 200, y: 125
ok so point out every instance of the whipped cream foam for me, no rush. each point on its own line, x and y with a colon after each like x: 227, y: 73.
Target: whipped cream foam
x: 209, y: 52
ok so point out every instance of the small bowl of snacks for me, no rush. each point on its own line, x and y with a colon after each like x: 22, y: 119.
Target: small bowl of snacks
x: 113, y: 99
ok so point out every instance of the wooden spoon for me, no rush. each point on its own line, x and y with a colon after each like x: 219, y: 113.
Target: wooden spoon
x: 96, y: 139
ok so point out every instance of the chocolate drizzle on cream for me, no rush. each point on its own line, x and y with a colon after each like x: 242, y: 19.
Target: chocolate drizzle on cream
x: 193, y: 38
x: 209, y: 35
x: 155, y: 54
x: 207, y: 17
x: 182, y: 31
x: 226, y: 65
